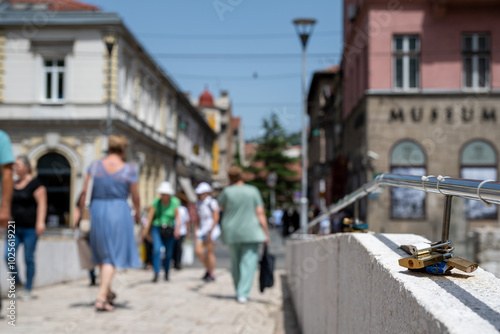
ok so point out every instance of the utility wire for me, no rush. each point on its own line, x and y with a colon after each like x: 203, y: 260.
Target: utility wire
x: 205, y: 56
x: 231, y: 37
x: 238, y: 56
x: 252, y: 77
x: 263, y: 56
x: 263, y: 104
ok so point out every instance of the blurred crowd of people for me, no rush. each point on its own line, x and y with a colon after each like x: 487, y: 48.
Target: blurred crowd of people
x: 287, y: 220
x: 237, y: 216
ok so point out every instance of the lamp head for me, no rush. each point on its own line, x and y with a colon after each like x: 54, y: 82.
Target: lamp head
x: 304, y: 28
x: 110, y: 38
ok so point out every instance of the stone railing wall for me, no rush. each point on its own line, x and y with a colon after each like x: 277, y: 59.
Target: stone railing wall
x: 56, y: 261
x: 352, y: 283
x: 487, y: 248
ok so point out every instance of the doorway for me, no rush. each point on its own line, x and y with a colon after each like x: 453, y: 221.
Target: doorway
x: 54, y: 172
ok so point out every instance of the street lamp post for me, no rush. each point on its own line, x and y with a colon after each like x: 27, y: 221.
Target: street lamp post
x: 272, y: 178
x: 110, y: 41
x: 304, y: 28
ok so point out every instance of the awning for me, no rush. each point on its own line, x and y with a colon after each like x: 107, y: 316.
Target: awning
x: 187, y: 187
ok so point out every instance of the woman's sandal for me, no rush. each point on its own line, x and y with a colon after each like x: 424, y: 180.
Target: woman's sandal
x: 110, y: 298
x: 103, y: 306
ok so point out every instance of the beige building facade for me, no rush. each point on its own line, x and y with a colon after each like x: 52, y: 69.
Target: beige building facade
x: 58, y: 93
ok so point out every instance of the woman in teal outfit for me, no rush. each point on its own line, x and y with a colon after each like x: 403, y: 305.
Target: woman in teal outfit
x: 112, y: 232
x: 244, y: 228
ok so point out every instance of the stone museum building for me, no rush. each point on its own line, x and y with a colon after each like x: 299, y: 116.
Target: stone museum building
x: 420, y: 96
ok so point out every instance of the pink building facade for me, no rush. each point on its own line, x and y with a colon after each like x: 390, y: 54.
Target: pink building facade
x: 421, y: 89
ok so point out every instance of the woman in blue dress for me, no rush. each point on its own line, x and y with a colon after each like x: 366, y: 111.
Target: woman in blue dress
x: 112, y: 235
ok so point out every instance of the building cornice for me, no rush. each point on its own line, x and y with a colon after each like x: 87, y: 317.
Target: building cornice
x: 92, y: 128
x: 10, y: 18
x: 104, y: 21
x: 433, y: 93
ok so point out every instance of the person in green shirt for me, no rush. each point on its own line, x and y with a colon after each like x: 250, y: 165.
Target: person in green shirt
x: 163, y: 220
x: 244, y: 228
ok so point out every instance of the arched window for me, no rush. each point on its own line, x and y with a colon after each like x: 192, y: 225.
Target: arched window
x: 407, y: 158
x: 479, y: 162
x: 54, y: 172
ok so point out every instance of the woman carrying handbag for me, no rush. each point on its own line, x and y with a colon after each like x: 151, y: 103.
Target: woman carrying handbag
x: 244, y: 228
x: 163, y: 221
x: 112, y: 230
x: 83, y: 242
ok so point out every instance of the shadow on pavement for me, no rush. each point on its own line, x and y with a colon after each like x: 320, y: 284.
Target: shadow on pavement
x: 123, y: 305
x: 198, y: 287
x: 142, y: 282
x: 232, y: 297
x: 87, y: 304
x: 290, y: 323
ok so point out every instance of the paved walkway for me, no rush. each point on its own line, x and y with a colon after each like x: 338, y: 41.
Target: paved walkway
x: 185, y: 304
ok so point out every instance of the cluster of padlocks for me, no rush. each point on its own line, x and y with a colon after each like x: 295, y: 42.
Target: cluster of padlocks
x: 435, y: 258
x: 354, y: 225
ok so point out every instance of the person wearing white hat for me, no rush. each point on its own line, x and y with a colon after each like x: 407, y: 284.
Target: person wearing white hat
x: 208, y: 230
x: 163, y: 218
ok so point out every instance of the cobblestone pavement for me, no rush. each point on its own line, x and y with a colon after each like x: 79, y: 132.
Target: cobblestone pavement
x: 185, y: 304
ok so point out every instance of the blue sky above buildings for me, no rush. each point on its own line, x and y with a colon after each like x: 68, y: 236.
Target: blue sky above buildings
x: 258, y: 85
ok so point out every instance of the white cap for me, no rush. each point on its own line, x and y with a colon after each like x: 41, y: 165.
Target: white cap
x: 203, y: 188
x: 166, y: 188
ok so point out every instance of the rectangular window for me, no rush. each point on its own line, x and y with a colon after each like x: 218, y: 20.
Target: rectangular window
x: 476, y: 209
x: 54, y: 80
x: 407, y: 203
x: 406, y: 62
x: 476, y: 61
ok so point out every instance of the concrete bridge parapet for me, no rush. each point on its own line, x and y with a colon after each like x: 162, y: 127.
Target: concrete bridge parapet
x: 352, y: 283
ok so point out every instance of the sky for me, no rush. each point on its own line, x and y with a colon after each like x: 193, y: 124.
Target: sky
x: 268, y: 79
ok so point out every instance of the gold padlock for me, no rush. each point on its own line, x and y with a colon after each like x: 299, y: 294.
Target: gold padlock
x: 462, y: 264
x: 423, y: 261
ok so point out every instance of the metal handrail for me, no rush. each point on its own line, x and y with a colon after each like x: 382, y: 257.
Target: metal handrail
x: 487, y: 191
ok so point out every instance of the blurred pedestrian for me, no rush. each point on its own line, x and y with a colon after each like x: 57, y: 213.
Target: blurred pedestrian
x: 337, y: 221
x: 29, y: 210
x: 147, y: 240
x: 77, y: 216
x: 163, y: 221
x: 6, y: 183
x: 208, y: 230
x: 112, y: 229
x: 291, y: 221
x: 184, y: 230
x: 244, y: 227
x: 313, y: 212
x: 277, y: 217
x: 324, y: 225
x: 6, y: 178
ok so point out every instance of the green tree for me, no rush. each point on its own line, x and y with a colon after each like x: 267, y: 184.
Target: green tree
x: 295, y: 138
x: 270, y: 158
